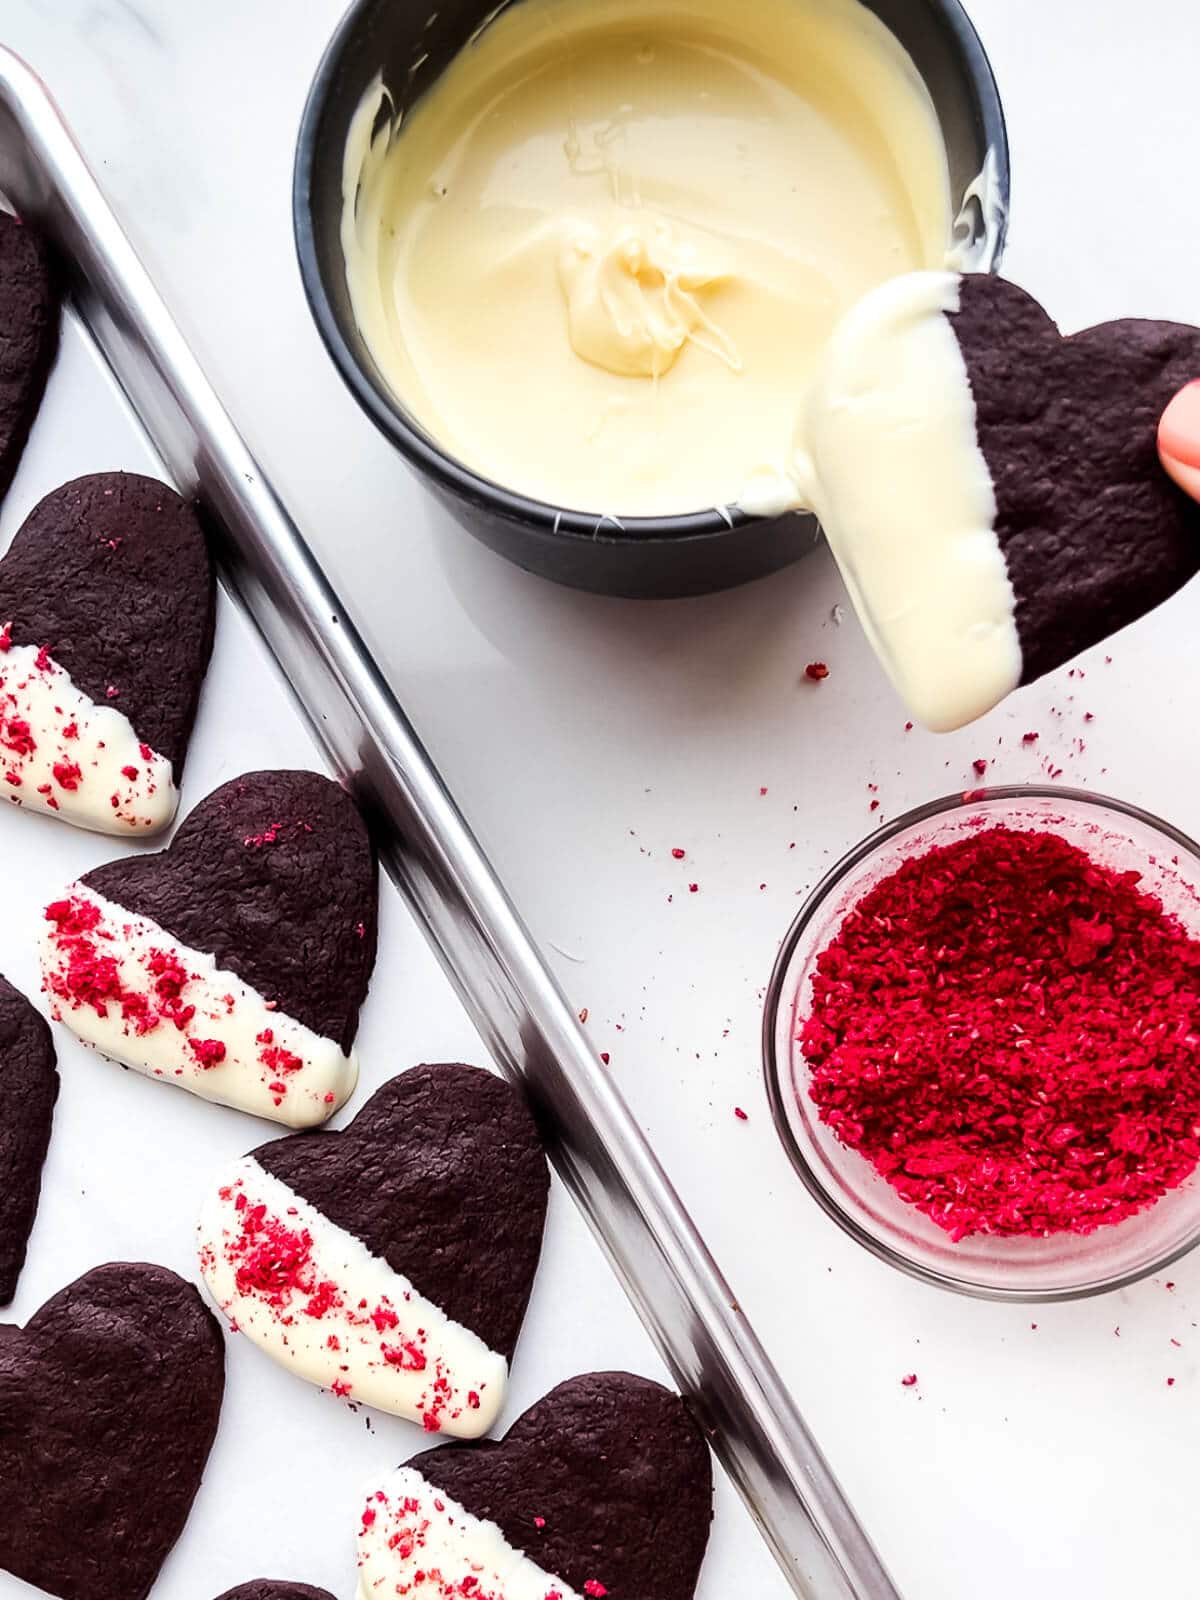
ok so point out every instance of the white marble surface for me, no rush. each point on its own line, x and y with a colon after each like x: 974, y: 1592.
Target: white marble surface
x: 585, y: 738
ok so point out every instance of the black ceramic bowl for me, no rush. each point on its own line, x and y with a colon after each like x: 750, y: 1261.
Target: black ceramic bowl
x: 655, y: 557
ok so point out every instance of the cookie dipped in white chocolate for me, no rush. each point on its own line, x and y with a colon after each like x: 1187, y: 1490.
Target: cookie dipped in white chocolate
x: 415, y: 1540
x: 890, y: 460
x: 62, y: 753
x: 319, y: 1302
x: 127, y: 986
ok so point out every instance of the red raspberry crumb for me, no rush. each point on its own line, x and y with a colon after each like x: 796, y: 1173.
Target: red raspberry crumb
x: 816, y: 670
x: 208, y: 1052
x: 910, y: 1381
x: 740, y: 1114
x: 67, y: 775
x: 678, y: 854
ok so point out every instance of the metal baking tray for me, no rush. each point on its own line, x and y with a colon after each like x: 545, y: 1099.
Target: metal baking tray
x: 273, y: 586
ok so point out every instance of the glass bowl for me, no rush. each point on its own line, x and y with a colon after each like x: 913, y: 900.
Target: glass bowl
x: 846, y: 1186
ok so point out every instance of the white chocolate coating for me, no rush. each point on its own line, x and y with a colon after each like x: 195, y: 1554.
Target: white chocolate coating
x: 598, y: 259
x: 315, y: 1299
x: 123, y: 984
x: 415, y: 1542
x: 890, y: 460
x: 62, y: 753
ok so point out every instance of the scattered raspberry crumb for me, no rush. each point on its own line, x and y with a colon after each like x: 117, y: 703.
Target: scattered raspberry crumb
x: 816, y: 671
x: 908, y: 727
x: 910, y: 1381
x: 874, y: 805
x: 678, y: 853
x: 539, y: 1522
x: 693, y: 888
x: 762, y: 792
x: 980, y: 766
x: 594, y: 1588
x: 342, y: 1389
x: 604, y: 1056
x: 740, y: 1114
x: 1170, y: 1383
x: 1029, y: 738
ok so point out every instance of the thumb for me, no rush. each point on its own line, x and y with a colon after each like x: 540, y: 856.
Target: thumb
x: 1179, y: 439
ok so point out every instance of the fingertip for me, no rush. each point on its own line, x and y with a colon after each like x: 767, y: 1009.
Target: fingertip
x: 1179, y: 439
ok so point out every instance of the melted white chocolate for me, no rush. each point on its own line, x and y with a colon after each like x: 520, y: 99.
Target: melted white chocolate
x: 599, y: 259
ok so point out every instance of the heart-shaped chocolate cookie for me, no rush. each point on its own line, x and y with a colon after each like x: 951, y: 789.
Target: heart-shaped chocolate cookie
x: 602, y: 1488
x: 991, y: 489
x: 28, y: 1090
x: 234, y: 962
x: 391, y: 1263
x: 106, y: 627
x: 109, y: 1400
x: 273, y: 1589
x: 28, y: 336
x: 1093, y: 532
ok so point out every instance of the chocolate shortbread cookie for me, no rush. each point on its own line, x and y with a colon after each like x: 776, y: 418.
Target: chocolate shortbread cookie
x: 109, y: 1401
x: 602, y: 1488
x: 991, y: 489
x: 412, y: 1239
x: 29, y: 322
x: 106, y: 627
x: 28, y: 1089
x: 234, y: 962
x: 274, y: 1589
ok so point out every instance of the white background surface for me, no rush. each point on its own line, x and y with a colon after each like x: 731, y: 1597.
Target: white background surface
x: 585, y: 738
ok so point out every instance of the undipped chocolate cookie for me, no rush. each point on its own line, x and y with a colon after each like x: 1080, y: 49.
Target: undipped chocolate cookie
x: 234, y: 962
x: 991, y: 489
x: 109, y: 1400
x: 28, y: 1090
x: 274, y: 1589
x: 106, y: 627
x: 602, y: 1488
x: 393, y: 1262
x: 29, y: 318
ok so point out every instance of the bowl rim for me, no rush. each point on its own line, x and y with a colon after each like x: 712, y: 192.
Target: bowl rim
x: 438, y: 464
x: 773, y: 1070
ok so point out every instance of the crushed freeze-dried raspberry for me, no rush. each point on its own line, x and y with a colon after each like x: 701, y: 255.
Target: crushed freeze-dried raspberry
x: 1009, y: 1031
